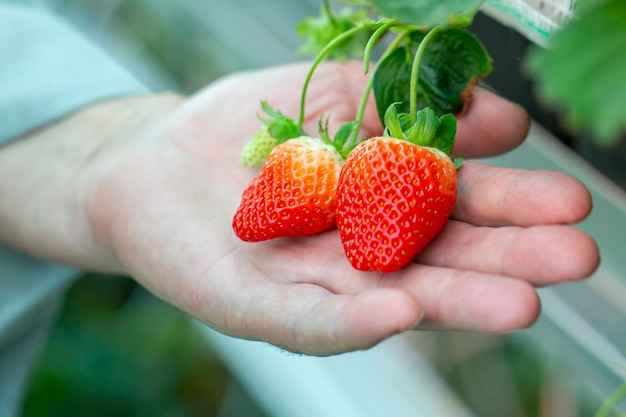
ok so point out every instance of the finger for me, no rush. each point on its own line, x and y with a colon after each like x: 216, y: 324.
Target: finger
x: 445, y: 298
x: 542, y: 255
x: 466, y: 300
x: 491, y: 196
x: 450, y: 298
x: 303, y: 318
x: 489, y: 125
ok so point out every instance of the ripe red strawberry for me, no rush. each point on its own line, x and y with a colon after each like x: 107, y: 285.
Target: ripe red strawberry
x: 293, y: 195
x: 395, y: 196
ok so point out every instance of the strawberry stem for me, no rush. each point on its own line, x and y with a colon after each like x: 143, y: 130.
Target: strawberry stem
x: 372, y: 42
x: 320, y: 57
x: 370, y: 83
x: 416, y: 67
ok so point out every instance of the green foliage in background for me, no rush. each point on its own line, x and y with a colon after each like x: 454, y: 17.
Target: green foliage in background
x: 118, y: 351
x: 584, y: 70
x: 429, y: 13
x: 320, y: 30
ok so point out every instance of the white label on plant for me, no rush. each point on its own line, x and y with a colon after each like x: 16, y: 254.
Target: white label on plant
x: 536, y: 19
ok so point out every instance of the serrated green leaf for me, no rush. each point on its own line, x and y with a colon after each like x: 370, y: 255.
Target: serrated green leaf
x: 430, y: 13
x: 583, y: 71
x: 451, y: 62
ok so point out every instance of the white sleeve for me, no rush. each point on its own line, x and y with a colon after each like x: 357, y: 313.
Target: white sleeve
x: 48, y: 69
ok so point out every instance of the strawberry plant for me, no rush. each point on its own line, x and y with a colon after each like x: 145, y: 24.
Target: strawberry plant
x: 389, y: 195
x: 582, y: 72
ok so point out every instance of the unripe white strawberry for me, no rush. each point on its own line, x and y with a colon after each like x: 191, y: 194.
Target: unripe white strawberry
x: 258, y: 148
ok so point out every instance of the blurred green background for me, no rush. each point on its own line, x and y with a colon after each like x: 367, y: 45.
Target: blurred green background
x: 118, y: 351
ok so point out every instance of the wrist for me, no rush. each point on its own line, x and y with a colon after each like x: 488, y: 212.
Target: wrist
x: 127, y: 122
x: 47, y: 179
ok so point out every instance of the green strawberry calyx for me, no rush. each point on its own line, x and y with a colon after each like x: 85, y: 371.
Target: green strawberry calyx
x: 279, y: 126
x: 276, y: 129
x: 423, y: 128
x: 344, y: 141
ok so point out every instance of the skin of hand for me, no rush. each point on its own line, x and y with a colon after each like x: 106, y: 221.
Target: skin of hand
x: 147, y: 186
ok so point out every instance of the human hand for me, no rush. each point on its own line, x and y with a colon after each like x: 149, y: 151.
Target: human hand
x: 159, y: 205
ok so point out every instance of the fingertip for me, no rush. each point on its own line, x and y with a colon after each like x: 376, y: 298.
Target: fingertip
x: 528, y: 312
x: 490, y: 125
x: 396, y: 310
x: 587, y: 259
x: 519, y: 309
x: 485, y: 303
x: 499, y: 196
x: 382, y: 313
x: 579, y: 198
x: 558, y: 198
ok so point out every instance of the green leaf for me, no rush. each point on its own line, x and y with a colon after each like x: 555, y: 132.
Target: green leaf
x: 450, y: 64
x: 319, y: 31
x: 429, y: 13
x: 446, y: 134
x: 583, y: 71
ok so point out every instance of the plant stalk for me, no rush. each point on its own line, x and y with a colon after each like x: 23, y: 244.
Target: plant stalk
x: 320, y: 57
x: 372, y: 42
x: 416, y: 67
x: 609, y: 405
x: 370, y: 83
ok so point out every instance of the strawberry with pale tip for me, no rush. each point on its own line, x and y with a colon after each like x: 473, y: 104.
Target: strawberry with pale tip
x: 293, y: 195
x: 295, y: 192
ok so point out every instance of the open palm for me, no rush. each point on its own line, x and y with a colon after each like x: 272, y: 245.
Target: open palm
x: 165, y: 208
